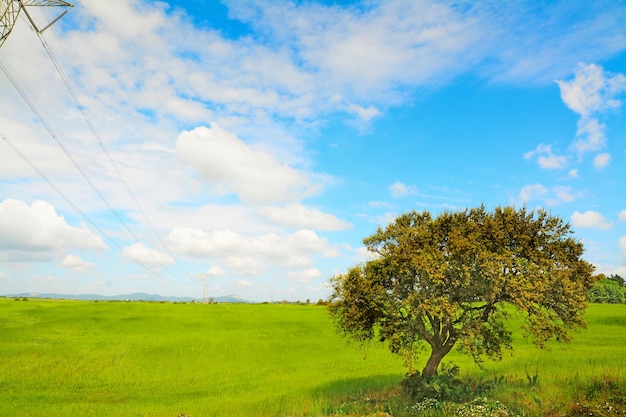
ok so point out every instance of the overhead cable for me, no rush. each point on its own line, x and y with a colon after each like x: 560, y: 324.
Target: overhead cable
x: 73, y: 160
x: 74, y: 206
x: 93, y: 129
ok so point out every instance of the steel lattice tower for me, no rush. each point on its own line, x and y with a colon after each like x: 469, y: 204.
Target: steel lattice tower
x: 10, y: 10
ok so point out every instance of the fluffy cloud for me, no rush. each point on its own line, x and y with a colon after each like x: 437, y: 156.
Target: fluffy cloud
x: 591, y: 92
x: 532, y: 192
x: 246, y: 265
x: 545, y: 158
x: 76, y: 264
x: 622, y: 215
x: 362, y: 254
x: 149, y: 258
x: 371, y: 50
x: 298, y: 216
x: 564, y: 194
x: 243, y: 283
x: 601, y: 160
x: 590, y: 219
x: 366, y: 51
x: 146, y: 73
x: 556, y: 195
x: 399, y: 189
x: 215, y: 271
x: 250, y: 255
x: 37, y: 232
x: 230, y: 165
x: 589, y: 136
x: 304, y: 275
x: 622, y: 244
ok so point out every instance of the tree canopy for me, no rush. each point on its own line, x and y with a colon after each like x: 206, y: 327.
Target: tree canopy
x: 446, y: 281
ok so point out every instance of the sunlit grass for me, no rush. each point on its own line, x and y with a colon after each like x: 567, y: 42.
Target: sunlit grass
x: 69, y: 358
x: 543, y: 381
x: 65, y: 358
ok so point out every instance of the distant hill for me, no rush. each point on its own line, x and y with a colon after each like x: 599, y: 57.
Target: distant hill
x: 137, y: 296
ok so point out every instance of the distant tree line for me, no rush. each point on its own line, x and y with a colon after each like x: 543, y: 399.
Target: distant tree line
x: 608, y: 290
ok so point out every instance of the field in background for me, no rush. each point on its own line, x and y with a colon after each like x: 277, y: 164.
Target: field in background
x: 69, y: 358
x: 76, y: 358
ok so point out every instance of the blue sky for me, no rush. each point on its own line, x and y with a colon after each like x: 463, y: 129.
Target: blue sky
x: 249, y: 147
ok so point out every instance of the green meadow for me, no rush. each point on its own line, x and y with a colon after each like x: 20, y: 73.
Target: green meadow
x: 77, y: 358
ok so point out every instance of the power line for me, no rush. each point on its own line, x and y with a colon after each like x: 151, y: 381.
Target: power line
x: 93, y: 129
x: 9, y: 16
x: 74, y: 206
x: 76, y: 165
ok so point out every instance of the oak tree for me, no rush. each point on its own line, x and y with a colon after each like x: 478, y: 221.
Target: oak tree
x: 452, y: 280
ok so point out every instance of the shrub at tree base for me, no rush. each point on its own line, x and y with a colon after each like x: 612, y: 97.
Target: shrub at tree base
x: 446, y: 281
x: 444, y: 387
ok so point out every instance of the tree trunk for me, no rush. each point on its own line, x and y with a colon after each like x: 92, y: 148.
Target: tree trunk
x: 436, y: 355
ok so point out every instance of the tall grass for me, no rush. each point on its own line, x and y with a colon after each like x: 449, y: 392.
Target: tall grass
x: 547, y: 381
x: 69, y: 358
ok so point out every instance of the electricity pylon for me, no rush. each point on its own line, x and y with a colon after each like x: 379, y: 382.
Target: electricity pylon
x: 205, y: 279
x: 10, y: 10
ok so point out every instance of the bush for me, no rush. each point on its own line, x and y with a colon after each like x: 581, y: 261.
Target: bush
x: 445, y: 387
x: 606, y: 291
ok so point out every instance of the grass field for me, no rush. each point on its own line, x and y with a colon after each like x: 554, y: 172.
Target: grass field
x: 68, y: 358
x: 71, y: 358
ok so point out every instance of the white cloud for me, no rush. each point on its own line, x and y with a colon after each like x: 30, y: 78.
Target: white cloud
x: 298, y: 216
x: 591, y: 92
x: 76, y: 264
x: 532, y: 192
x: 243, y: 283
x: 149, y: 258
x: 367, y: 51
x: 215, y: 271
x: 251, y: 254
x: 622, y: 244
x: 305, y: 275
x: 37, y: 232
x: 556, y: 195
x: 246, y: 265
x: 362, y: 254
x: 601, y: 160
x: 230, y: 165
x: 145, y: 72
x: 590, y: 219
x: 399, y: 189
x: 379, y: 219
x: 365, y: 113
x: 545, y: 158
x: 622, y: 215
x: 372, y: 50
x: 573, y: 173
x: 564, y: 194
x: 589, y: 135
